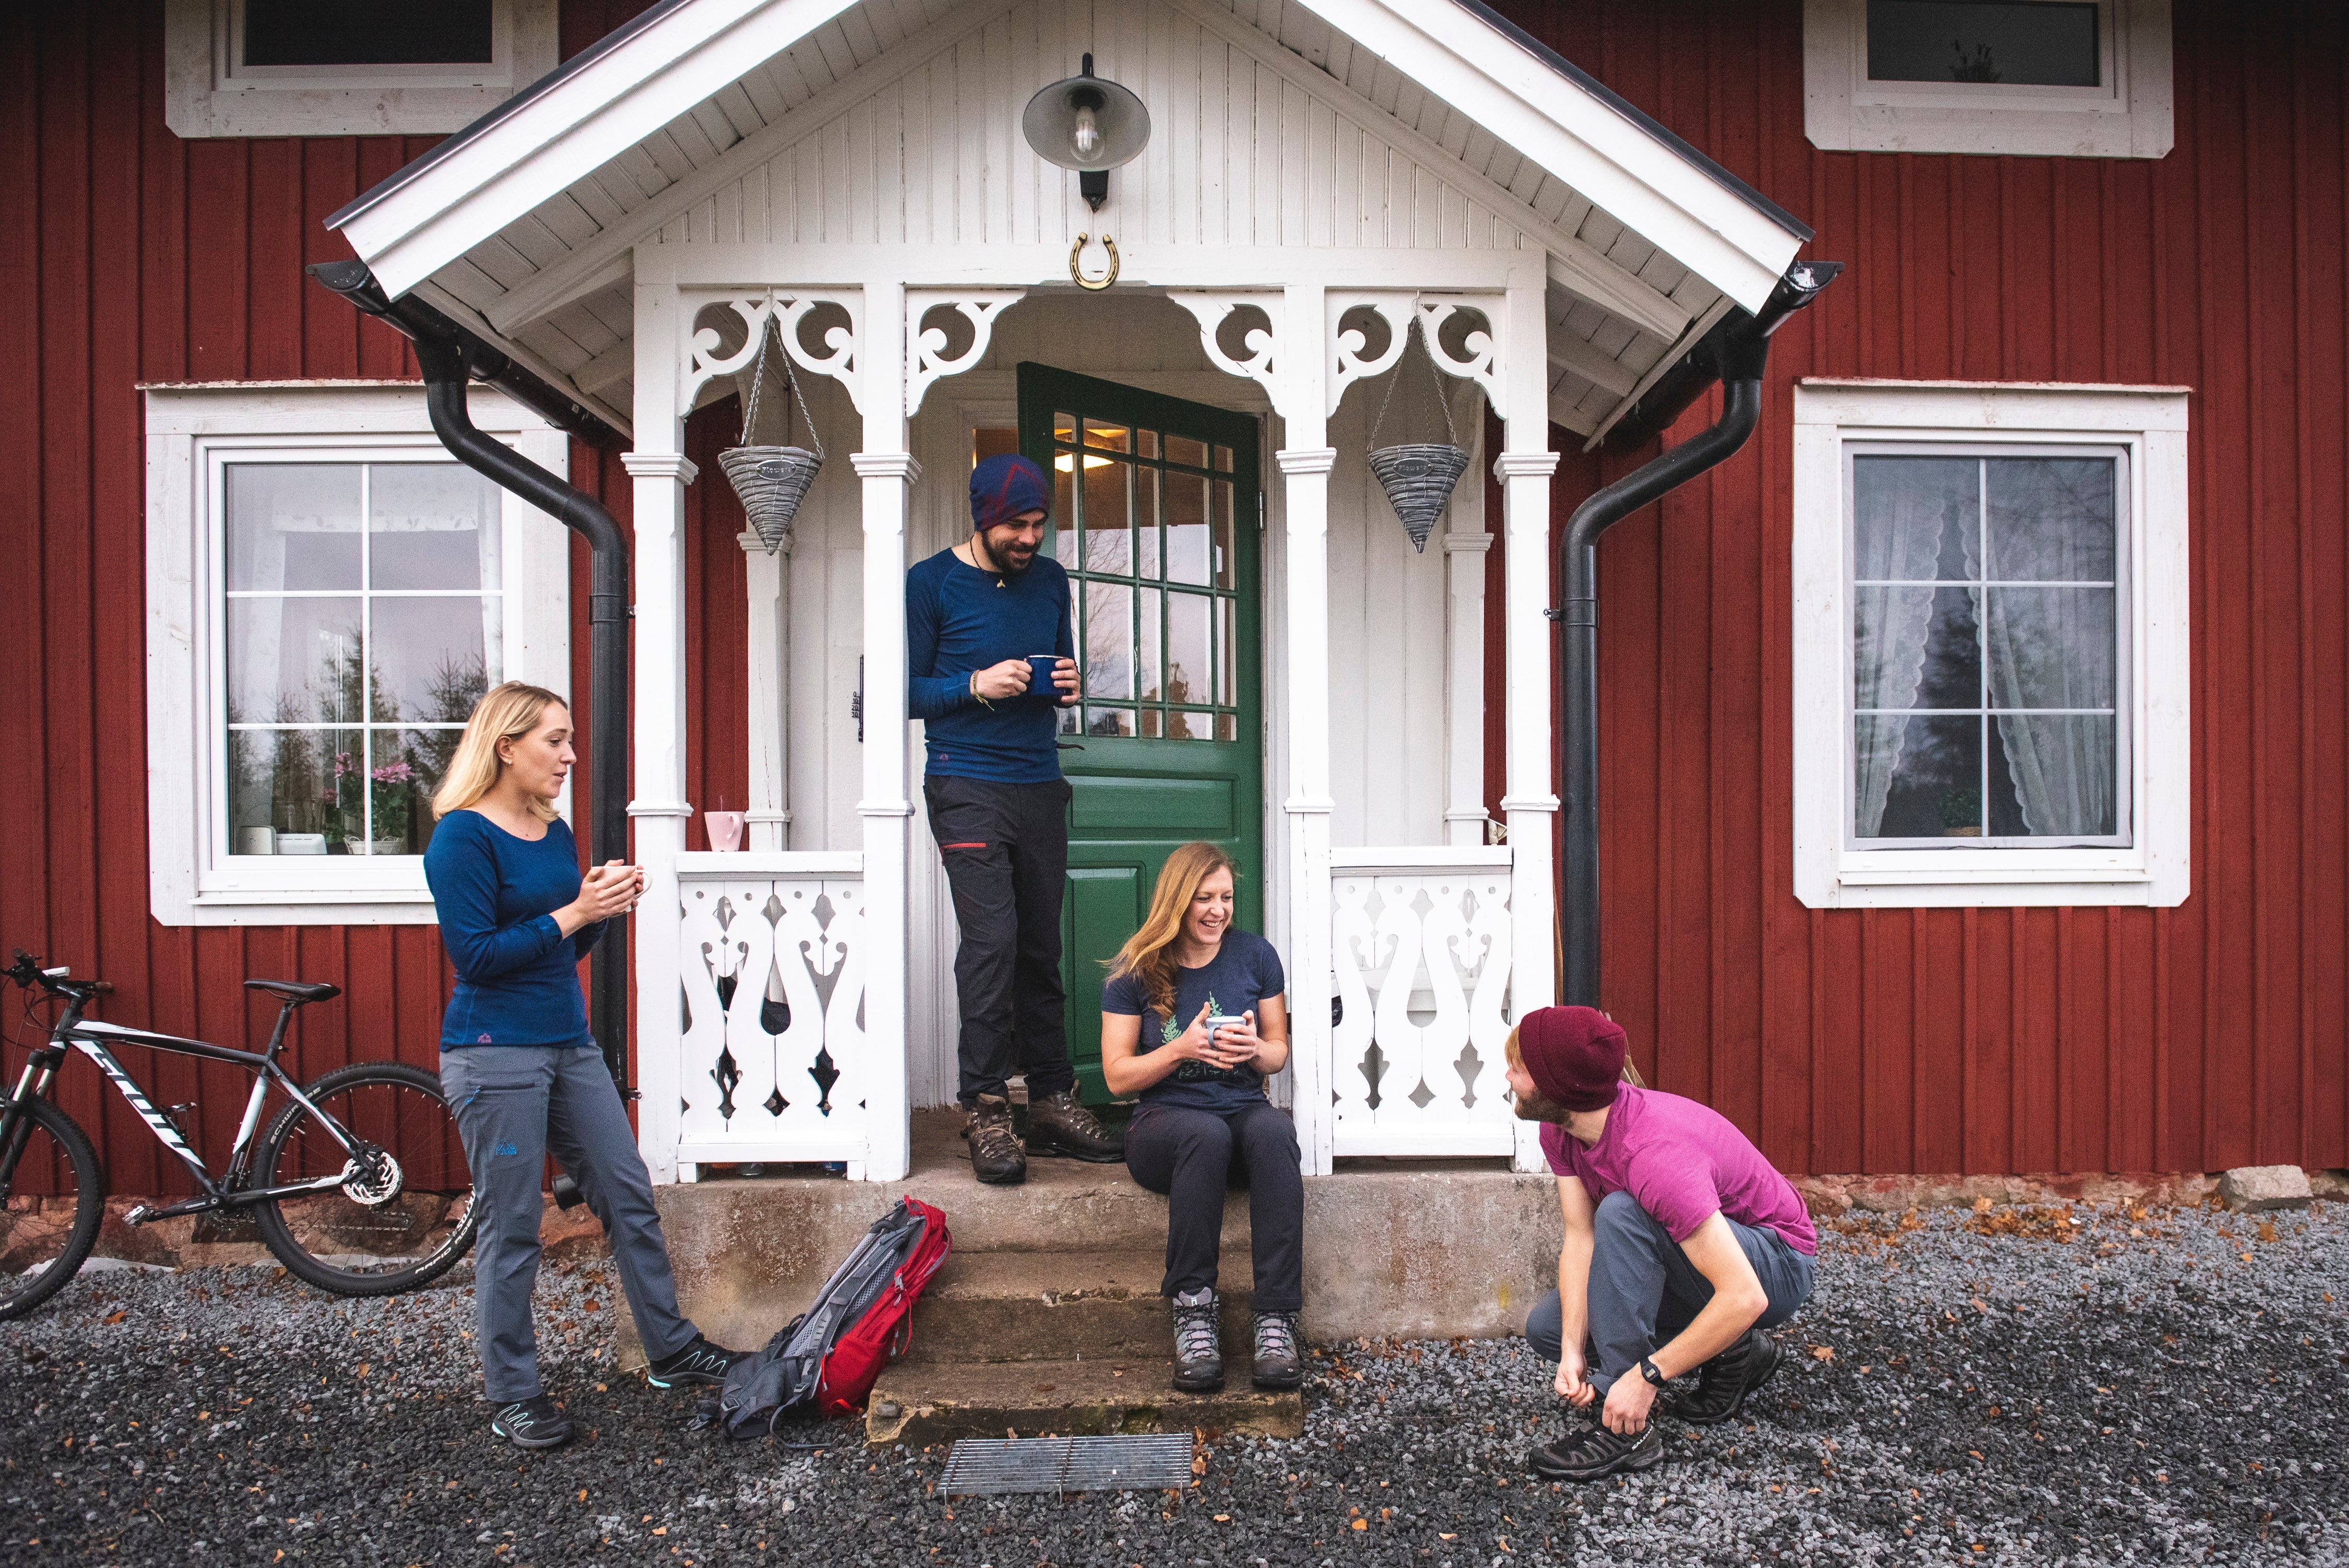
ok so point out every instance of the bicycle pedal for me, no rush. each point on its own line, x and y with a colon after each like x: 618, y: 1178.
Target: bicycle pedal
x: 138, y: 1214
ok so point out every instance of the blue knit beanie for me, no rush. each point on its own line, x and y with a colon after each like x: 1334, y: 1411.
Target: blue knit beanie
x: 1004, y: 486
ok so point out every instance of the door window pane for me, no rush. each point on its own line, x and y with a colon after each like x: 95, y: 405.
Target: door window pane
x: 1226, y: 654
x: 1184, y: 450
x: 1110, y: 437
x: 1189, y: 668
x: 1153, y: 685
x: 1109, y: 641
x: 1187, y: 559
x: 1223, y: 563
x: 1108, y: 518
x: 2024, y: 43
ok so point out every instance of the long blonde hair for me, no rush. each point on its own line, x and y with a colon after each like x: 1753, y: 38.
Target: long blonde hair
x: 506, y: 712
x: 1149, y: 952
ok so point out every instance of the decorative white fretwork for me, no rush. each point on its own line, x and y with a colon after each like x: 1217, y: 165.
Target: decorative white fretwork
x: 926, y: 359
x: 1259, y: 344
x: 787, y: 309
x: 773, y: 996
x: 1348, y: 364
x: 1484, y: 362
x: 1422, y: 960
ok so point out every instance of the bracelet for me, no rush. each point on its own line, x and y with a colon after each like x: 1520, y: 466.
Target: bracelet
x: 982, y: 702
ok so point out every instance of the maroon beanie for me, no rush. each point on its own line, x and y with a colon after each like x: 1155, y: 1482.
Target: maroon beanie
x: 1573, y: 1055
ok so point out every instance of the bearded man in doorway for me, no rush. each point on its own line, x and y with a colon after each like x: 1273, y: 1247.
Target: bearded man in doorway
x: 991, y: 657
x: 1682, y: 1246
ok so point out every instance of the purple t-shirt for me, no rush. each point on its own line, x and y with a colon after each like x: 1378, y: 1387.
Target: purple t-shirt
x: 1682, y: 1162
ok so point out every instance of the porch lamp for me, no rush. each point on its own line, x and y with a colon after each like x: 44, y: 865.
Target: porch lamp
x: 1090, y: 124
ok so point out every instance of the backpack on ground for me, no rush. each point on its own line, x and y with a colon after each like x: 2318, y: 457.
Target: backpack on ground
x: 829, y: 1356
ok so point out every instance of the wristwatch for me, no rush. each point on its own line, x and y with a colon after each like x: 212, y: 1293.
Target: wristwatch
x: 1648, y: 1369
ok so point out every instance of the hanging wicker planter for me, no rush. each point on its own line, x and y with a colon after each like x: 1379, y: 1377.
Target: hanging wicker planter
x: 1418, y: 475
x: 771, y: 480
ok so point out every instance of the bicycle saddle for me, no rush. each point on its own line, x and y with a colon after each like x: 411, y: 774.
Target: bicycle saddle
x: 296, y: 990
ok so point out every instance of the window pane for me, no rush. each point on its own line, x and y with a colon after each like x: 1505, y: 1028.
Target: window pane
x: 1189, y: 673
x: 1145, y: 520
x: 2051, y: 647
x: 1224, y: 459
x: 1226, y: 727
x: 404, y: 767
x: 2022, y: 43
x: 432, y: 658
x: 285, y: 795
x: 1224, y: 561
x: 2052, y: 518
x: 1108, y: 721
x: 1108, y: 547
x: 413, y: 33
x: 1186, y: 530
x: 1191, y: 726
x: 1109, y: 641
x: 1151, y: 690
x: 2062, y: 770
x: 1911, y: 515
x: 1915, y: 647
x: 1064, y: 516
x: 1110, y: 437
x: 1146, y: 443
x: 294, y: 661
x: 431, y: 525
x: 1064, y: 427
x: 992, y: 441
x: 1916, y: 777
x: 293, y: 526
x: 1183, y: 449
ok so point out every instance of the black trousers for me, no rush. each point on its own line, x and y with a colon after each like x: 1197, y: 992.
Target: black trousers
x: 1193, y: 1157
x: 1006, y: 847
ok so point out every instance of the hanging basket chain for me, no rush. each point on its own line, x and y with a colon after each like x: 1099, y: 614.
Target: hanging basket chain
x: 1418, y: 475
x: 773, y: 480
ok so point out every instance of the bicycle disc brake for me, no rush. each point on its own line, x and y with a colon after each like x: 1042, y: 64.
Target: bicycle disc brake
x: 377, y: 1185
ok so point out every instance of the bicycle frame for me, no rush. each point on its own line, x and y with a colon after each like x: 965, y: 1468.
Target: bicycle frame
x: 92, y: 1038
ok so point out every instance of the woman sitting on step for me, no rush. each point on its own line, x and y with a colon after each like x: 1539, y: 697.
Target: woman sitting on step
x: 1209, y: 998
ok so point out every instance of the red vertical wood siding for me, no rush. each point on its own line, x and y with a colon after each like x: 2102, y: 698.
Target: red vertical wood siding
x: 1890, y: 1040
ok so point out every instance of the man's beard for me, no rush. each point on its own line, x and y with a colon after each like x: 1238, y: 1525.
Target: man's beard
x: 1007, y: 563
x: 1535, y: 1106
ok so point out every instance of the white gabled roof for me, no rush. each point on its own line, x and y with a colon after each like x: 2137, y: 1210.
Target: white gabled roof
x: 523, y: 225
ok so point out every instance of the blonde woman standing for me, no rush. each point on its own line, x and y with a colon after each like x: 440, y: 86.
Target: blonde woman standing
x: 517, y: 1063
x: 1210, y: 1002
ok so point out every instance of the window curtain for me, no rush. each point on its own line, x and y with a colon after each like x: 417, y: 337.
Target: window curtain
x: 1902, y: 507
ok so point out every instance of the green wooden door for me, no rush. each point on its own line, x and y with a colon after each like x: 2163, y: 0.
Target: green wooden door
x: 1154, y: 518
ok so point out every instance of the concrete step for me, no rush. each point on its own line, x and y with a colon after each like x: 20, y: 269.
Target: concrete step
x: 931, y: 1404
x: 992, y: 1306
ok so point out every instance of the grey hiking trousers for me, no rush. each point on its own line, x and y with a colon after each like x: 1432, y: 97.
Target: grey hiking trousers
x: 515, y: 1105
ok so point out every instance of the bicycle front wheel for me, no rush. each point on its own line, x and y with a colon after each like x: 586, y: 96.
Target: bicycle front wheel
x: 48, y: 1245
x: 405, y: 1215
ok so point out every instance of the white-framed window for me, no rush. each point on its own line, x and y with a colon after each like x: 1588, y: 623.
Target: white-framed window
x: 328, y: 592
x: 1991, y: 658
x: 296, y: 67
x: 2055, y: 78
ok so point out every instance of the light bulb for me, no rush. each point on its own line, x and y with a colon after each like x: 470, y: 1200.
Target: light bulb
x: 1085, y: 135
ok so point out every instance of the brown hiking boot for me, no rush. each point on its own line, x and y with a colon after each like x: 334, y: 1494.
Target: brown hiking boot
x: 1061, y: 1125
x: 995, y: 1156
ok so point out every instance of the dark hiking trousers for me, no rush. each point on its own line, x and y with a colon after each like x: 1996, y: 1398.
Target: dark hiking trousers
x: 1644, y: 1290
x: 1006, y: 847
x: 1194, y: 1156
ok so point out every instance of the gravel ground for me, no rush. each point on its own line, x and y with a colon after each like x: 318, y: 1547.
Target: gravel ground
x: 2160, y: 1388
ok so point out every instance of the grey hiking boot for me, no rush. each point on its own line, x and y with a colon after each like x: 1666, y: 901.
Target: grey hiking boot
x: 1278, y: 1362
x: 995, y: 1156
x: 1198, y: 1361
x: 1061, y: 1124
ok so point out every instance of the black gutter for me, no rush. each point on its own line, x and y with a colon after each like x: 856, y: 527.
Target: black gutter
x: 1735, y: 353
x: 452, y: 358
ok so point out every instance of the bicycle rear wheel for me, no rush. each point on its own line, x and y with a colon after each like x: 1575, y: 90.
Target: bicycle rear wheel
x: 400, y: 1223
x: 43, y: 1250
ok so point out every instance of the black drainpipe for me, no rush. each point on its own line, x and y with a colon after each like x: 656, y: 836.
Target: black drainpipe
x: 451, y: 358
x: 1734, y: 353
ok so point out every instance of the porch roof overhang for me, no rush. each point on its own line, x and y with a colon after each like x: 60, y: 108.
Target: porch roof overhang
x: 523, y: 229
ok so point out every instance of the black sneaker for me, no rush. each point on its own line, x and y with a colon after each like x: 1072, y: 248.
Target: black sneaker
x: 1724, y: 1383
x: 1596, y: 1452
x: 532, y: 1423
x: 699, y: 1362
x: 1278, y: 1363
x: 1198, y: 1360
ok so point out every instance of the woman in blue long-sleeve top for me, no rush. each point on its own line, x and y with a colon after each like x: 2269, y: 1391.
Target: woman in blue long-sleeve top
x: 521, y: 1070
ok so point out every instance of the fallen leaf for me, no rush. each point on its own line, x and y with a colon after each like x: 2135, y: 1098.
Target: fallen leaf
x: 1361, y: 1524
x: 1822, y: 1353
x: 582, y: 1494
x: 365, y: 1366
x: 1443, y: 1537
x: 660, y: 1530
x: 118, y: 1317
x: 1223, y: 1519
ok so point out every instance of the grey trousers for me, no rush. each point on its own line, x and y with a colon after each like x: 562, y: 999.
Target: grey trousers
x: 515, y: 1105
x: 1644, y: 1291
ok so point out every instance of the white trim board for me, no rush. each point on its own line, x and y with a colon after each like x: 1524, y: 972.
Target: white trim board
x: 2151, y: 423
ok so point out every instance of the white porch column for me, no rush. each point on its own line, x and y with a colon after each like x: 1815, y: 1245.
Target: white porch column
x: 767, y: 816
x: 1464, y: 707
x: 659, y: 807
x: 1305, y: 463
x: 887, y: 471
x: 1524, y: 468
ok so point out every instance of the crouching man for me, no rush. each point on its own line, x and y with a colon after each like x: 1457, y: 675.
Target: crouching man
x: 1682, y: 1246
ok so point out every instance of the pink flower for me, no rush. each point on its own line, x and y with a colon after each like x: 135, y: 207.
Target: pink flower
x: 343, y: 764
x: 394, y: 773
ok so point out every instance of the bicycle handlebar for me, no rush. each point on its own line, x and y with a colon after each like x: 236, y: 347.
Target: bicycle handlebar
x: 28, y: 972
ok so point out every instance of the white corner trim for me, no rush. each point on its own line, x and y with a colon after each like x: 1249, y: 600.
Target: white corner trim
x: 1305, y: 460
x: 2150, y: 422
x: 2127, y: 114
x: 886, y: 466
x: 660, y: 465
x: 189, y: 429
x: 1525, y: 465
x: 208, y: 92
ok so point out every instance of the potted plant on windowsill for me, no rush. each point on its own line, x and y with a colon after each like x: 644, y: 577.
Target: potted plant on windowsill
x: 394, y: 795
x: 1962, y: 814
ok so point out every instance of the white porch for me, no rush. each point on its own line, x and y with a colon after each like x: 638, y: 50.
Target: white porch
x: 1321, y: 178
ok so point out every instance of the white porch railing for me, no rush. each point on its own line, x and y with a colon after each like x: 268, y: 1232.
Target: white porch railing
x: 1421, y: 949
x: 770, y: 953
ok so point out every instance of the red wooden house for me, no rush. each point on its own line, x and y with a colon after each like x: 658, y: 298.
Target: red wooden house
x: 1971, y: 743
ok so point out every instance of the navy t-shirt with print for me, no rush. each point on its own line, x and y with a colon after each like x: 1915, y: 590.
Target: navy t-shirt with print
x: 1244, y: 972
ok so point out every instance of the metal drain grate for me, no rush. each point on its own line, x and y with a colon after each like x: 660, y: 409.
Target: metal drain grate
x: 1145, y: 1461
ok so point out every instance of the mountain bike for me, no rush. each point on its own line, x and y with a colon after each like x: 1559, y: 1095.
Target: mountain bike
x: 359, y: 1186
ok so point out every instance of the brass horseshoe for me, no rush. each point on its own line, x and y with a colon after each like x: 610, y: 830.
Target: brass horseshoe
x: 1076, y: 273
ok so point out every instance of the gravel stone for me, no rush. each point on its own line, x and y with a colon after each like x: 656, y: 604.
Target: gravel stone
x: 1995, y: 1386
x: 2253, y: 1189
